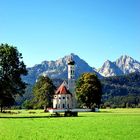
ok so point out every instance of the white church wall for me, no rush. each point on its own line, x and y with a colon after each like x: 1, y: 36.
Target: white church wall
x: 62, y: 101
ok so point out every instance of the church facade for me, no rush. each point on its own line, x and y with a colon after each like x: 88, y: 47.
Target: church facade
x: 64, y: 97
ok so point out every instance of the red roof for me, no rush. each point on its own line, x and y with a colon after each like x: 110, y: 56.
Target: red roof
x: 62, y: 89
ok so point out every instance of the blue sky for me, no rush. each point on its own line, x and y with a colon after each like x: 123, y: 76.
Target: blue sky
x: 96, y: 30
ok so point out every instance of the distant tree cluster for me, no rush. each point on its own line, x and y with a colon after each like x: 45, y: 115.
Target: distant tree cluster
x: 128, y: 101
x: 121, y: 91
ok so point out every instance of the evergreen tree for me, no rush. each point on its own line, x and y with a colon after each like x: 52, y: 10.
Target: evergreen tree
x: 43, y: 91
x: 11, y: 69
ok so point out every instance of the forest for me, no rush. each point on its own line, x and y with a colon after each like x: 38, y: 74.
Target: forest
x: 121, y: 91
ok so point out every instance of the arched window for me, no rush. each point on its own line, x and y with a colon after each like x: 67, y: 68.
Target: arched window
x: 63, y: 105
x: 71, y: 72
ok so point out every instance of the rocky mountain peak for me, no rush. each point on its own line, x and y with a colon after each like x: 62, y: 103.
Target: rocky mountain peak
x: 107, y: 63
x: 109, y: 69
x: 124, y: 59
x: 124, y: 65
x: 127, y: 64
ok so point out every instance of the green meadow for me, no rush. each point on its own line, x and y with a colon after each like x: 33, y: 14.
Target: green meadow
x: 108, y: 124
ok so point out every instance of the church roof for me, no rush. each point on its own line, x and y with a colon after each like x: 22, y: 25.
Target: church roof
x: 62, y: 89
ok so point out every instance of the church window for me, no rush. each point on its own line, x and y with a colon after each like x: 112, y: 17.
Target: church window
x: 63, y: 105
x: 72, y: 71
x: 60, y: 98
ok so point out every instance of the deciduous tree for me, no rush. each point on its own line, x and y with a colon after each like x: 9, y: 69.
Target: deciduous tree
x: 88, y: 90
x: 11, y: 69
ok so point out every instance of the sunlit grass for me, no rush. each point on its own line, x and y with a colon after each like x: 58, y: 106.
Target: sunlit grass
x: 110, y: 124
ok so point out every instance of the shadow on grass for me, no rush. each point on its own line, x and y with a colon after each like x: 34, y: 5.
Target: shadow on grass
x: 22, y: 117
x: 52, y: 116
x: 35, y: 117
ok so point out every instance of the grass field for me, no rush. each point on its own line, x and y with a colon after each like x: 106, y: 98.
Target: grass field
x: 111, y: 124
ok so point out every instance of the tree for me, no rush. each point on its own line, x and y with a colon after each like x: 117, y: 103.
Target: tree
x: 27, y: 104
x: 11, y: 69
x: 43, y: 91
x: 88, y: 90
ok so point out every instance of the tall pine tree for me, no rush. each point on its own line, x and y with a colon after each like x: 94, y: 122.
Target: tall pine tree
x: 43, y: 92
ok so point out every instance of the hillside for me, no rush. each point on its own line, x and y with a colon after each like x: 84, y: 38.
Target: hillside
x: 122, y: 90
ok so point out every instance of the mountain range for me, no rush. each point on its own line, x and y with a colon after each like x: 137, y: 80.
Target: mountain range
x: 58, y: 69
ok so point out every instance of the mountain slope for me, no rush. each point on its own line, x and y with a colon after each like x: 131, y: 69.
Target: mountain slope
x: 122, y: 91
x: 57, y: 69
x: 110, y: 69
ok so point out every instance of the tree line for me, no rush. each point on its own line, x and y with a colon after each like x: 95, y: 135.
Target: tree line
x: 121, y: 91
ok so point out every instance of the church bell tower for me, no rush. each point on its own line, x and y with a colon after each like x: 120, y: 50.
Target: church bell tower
x: 71, y: 80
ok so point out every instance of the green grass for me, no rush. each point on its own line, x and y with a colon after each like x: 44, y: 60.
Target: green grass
x: 110, y: 124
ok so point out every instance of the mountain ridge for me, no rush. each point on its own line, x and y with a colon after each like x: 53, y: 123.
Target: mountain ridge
x: 123, y: 65
x: 58, y: 69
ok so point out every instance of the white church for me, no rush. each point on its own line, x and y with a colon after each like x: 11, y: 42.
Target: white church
x: 64, y: 97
